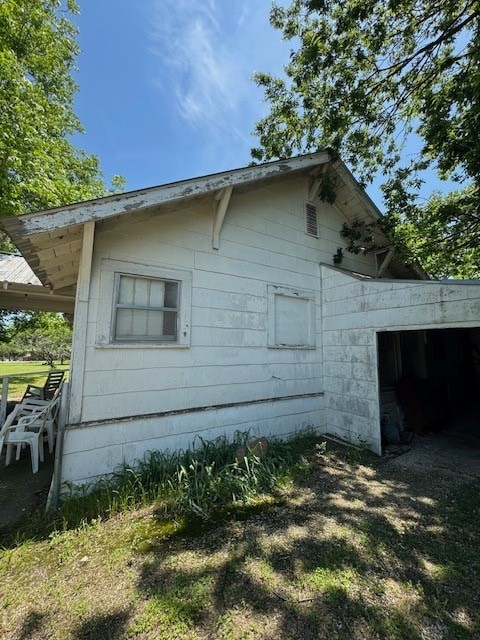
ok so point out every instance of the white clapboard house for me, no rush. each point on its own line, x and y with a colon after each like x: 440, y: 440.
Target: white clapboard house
x: 213, y: 305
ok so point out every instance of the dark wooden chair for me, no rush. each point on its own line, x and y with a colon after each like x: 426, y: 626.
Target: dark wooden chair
x: 52, y: 384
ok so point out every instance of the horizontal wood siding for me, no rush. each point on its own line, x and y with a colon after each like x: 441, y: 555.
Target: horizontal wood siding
x: 92, y: 452
x: 262, y: 242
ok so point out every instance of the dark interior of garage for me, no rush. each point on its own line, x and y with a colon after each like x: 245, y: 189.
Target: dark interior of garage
x: 430, y: 384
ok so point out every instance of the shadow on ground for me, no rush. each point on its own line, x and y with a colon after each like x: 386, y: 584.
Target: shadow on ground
x: 20, y: 489
x: 372, y: 549
x: 360, y: 548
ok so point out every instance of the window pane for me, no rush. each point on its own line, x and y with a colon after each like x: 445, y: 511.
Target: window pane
x: 146, y: 323
x: 170, y: 323
x: 157, y: 293
x: 171, y: 295
x: 140, y: 323
x: 126, y: 291
x: 131, y: 322
x: 124, y: 323
x: 155, y: 324
x: 142, y: 292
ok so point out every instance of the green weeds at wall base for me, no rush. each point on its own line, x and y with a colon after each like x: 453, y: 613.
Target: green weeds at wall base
x: 198, y: 483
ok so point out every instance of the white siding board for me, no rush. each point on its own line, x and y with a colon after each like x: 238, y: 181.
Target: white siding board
x: 221, y: 318
x: 92, y: 437
x: 216, y: 336
x: 123, y: 247
x: 228, y: 301
x: 114, y: 359
x: 262, y: 242
x: 132, y: 403
x: 356, y: 353
x: 270, y: 213
x: 307, y: 279
x: 241, y: 243
x: 229, y: 283
x: 241, y: 258
x: 353, y: 311
x: 160, y: 379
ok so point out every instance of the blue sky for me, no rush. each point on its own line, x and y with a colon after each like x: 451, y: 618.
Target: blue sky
x: 165, y: 85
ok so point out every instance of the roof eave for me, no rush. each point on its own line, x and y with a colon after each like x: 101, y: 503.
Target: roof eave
x: 27, y: 225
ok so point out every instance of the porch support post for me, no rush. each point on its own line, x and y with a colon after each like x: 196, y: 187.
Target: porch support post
x: 80, y: 325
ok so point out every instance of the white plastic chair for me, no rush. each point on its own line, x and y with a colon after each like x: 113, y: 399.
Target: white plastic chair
x: 28, y: 406
x: 31, y: 405
x: 19, y: 411
x: 28, y: 430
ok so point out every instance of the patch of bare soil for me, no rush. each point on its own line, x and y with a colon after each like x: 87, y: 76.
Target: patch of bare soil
x: 21, y: 491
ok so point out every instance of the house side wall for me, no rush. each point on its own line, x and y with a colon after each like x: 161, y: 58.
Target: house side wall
x: 353, y: 312
x: 262, y: 242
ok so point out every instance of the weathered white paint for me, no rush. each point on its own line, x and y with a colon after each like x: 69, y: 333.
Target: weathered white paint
x: 291, y: 318
x: 80, y: 325
x: 314, y: 189
x: 104, y: 329
x: 105, y: 208
x: 91, y: 452
x: 229, y: 360
x: 353, y: 311
x: 385, y: 262
x: 51, y: 240
x: 220, y: 213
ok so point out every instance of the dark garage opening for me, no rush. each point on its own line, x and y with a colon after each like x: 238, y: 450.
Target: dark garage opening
x: 430, y: 384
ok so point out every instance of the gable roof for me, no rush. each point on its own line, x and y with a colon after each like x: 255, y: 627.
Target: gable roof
x: 51, y: 240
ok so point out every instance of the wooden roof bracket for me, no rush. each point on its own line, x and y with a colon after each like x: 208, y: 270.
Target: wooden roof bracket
x: 315, y: 183
x: 385, y: 262
x: 221, y: 205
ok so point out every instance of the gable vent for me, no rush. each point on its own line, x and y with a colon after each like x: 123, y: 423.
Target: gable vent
x: 311, y: 219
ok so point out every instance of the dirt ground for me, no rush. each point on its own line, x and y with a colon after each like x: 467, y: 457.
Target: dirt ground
x: 20, y: 489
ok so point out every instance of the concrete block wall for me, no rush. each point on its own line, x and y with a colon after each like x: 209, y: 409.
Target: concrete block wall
x: 354, y: 310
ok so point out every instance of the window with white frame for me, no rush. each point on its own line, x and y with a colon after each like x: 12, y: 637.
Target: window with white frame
x: 143, y: 305
x: 291, y: 318
x: 145, y: 309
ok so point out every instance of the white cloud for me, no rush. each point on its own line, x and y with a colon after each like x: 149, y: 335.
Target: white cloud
x: 206, y: 53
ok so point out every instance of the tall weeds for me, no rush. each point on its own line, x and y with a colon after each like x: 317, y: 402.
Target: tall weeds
x: 198, y: 482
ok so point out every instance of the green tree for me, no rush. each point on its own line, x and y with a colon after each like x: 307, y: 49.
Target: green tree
x: 366, y: 75
x: 48, y: 338
x: 15, y: 322
x: 39, y: 165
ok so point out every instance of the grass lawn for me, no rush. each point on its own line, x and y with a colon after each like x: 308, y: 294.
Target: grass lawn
x: 354, y: 547
x: 38, y: 370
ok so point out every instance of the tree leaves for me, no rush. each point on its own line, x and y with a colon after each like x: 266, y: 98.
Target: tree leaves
x: 39, y: 166
x: 367, y: 74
